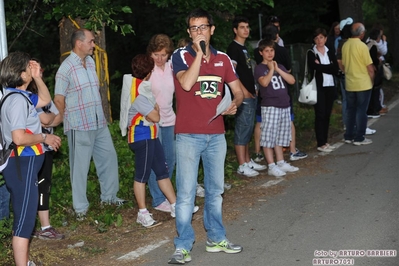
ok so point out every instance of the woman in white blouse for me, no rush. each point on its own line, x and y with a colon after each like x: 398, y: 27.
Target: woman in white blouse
x: 323, y: 64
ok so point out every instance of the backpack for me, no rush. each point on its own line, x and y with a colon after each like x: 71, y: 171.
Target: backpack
x: 5, y: 152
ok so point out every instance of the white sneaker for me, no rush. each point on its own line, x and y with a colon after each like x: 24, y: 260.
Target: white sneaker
x: 164, y: 206
x: 200, y: 191
x: 245, y: 170
x: 259, y: 157
x: 145, y: 219
x: 363, y: 142
x: 255, y: 166
x: 173, y: 212
x: 370, y: 131
x: 286, y: 167
x: 275, y: 171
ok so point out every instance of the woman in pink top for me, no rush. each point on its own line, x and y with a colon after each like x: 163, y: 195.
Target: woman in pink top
x: 160, y: 48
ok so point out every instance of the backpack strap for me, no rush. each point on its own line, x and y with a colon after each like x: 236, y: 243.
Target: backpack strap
x: 12, y: 145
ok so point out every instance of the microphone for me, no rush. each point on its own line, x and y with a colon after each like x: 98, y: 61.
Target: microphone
x: 202, y: 44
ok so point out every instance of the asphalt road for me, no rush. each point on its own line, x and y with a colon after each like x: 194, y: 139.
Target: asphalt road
x: 351, y: 210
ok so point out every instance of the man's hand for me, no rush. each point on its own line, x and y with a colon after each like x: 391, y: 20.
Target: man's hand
x: 232, y: 110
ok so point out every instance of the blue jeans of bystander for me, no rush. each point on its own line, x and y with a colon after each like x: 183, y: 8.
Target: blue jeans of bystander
x: 343, y: 93
x: 356, y: 120
x: 166, y: 136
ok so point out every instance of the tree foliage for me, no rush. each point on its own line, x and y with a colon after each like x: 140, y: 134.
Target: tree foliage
x: 97, y: 13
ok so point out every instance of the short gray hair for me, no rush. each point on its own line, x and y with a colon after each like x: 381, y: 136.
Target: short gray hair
x: 78, y: 35
x: 358, y: 31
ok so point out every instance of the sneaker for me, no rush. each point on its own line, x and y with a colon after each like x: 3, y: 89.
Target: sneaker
x: 376, y: 115
x: 331, y: 147
x: 297, y: 155
x: 114, y: 201
x: 383, y: 111
x: 180, y: 256
x: 259, y: 157
x: 325, y: 149
x: 200, y: 191
x: 80, y: 216
x: 145, y: 219
x: 31, y: 263
x: 286, y: 167
x: 255, y: 166
x: 164, y: 207
x: 173, y: 212
x: 276, y: 171
x: 348, y: 141
x: 370, y: 131
x: 363, y: 142
x: 245, y: 170
x: 49, y: 234
x: 224, y: 245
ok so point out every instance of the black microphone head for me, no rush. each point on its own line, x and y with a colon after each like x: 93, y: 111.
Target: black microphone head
x: 202, y: 44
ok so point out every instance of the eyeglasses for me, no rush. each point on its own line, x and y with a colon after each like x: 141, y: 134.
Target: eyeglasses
x: 202, y: 27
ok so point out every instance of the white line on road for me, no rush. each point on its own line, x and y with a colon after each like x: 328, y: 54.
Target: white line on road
x: 143, y: 250
x: 272, y: 182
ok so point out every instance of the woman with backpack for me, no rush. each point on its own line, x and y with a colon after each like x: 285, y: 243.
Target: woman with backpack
x: 21, y: 127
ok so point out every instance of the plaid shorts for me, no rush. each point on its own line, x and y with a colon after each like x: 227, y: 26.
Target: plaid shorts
x: 275, y: 127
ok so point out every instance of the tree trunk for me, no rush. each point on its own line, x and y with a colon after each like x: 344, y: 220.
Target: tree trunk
x: 393, y: 20
x: 351, y: 8
x: 66, y: 30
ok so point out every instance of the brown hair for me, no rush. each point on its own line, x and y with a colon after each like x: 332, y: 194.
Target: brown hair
x: 11, y: 69
x: 319, y: 31
x: 159, y: 42
x: 142, y: 65
x: 266, y: 43
x: 183, y: 42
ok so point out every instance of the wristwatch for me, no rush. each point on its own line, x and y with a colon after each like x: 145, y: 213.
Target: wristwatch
x: 44, y: 136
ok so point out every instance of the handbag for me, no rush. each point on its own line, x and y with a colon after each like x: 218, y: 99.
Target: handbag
x: 308, y: 92
x: 387, y: 71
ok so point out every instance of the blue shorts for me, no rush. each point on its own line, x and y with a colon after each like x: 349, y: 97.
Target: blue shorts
x: 149, y: 156
x: 245, y: 122
x: 24, y: 192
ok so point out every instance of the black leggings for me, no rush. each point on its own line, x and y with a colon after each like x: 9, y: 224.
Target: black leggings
x: 44, y: 177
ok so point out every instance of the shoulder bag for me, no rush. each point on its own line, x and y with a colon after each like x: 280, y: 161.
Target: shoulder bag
x: 308, y: 92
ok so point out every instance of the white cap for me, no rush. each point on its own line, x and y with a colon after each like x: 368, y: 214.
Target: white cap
x: 344, y: 22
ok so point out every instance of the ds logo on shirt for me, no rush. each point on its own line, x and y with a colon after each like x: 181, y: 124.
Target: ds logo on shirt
x: 209, y: 86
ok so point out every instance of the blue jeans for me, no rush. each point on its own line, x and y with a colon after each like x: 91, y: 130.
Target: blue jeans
x: 343, y: 92
x: 167, y: 138
x: 4, y: 202
x: 190, y: 148
x: 356, y: 120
